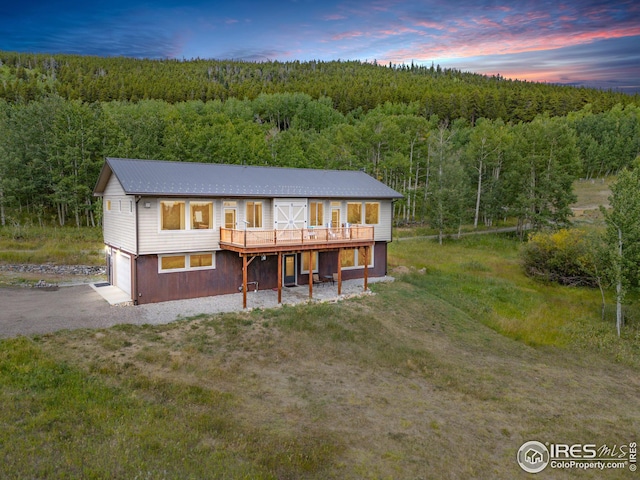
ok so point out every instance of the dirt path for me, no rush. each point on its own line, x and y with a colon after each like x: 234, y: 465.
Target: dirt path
x: 463, y: 234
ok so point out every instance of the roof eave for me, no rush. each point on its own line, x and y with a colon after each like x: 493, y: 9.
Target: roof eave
x: 103, y: 179
x: 256, y: 195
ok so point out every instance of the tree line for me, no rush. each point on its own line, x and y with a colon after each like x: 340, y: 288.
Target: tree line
x: 450, y: 172
x: 352, y: 86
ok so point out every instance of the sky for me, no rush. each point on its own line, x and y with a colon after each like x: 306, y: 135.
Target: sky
x: 594, y: 43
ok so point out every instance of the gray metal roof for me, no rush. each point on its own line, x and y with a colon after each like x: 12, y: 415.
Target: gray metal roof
x: 156, y: 177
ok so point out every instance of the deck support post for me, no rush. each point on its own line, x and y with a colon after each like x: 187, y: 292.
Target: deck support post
x: 366, y: 268
x: 279, y: 278
x: 244, y: 282
x: 310, y: 275
x: 339, y: 271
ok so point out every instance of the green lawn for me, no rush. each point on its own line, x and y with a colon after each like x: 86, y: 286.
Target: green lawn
x: 443, y: 373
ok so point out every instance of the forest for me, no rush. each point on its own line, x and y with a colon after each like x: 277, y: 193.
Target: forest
x: 462, y: 148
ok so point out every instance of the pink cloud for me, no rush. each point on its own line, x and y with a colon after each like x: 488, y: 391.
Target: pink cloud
x: 346, y: 35
x: 395, y: 31
x: 499, y: 43
x: 487, y: 22
x: 334, y: 17
x: 433, y: 25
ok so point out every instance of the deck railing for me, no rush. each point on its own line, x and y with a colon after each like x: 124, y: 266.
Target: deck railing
x: 292, y: 237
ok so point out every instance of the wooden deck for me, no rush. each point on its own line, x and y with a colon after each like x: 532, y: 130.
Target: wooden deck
x: 267, y: 241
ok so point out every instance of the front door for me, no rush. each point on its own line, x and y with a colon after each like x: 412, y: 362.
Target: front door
x: 289, y: 269
x: 335, y: 217
x: 230, y: 214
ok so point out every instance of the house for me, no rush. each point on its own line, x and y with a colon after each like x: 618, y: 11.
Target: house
x: 176, y: 230
x: 533, y: 456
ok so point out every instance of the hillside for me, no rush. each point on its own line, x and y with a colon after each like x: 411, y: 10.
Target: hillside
x: 462, y: 148
x: 352, y: 86
x: 476, y: 361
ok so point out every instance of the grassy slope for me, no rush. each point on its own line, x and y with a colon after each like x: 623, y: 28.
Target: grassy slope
x: 414, y: 382
x: 63, y: 246
x: 21, y: 244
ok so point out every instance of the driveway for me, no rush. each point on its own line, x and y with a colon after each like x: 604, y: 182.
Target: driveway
x: 28, y: 311
x: 31, y: 311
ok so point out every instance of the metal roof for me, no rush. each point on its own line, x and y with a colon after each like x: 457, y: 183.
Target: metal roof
x: 162, y: 178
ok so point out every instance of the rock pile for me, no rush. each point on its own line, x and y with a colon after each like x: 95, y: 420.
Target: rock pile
x: 51, y: 269
x: 45, y: 286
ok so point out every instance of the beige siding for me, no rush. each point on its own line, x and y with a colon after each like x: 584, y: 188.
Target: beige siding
x: 155, y: 241
x: 119, y: 225
x: 383, y: 230
x: 267, y: 221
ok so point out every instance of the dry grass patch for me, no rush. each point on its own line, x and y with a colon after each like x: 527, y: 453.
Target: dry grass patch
x: 413, y: 382
x: 361, y: 389
x: 591, y: 194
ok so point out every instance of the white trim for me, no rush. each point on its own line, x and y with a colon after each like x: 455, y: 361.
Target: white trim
x: 363, y: 211
x: 295, y: 267
x: 309, y: 210
x: 187, y: 262
x: 245, y: 220
x: 187, y: 214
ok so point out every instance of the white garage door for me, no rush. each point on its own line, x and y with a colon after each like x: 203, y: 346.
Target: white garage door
x: 123, y: 272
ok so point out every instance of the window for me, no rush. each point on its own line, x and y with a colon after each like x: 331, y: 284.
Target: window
x: 130, y: 206
x: 172, y: 215
x: 354, y: 213
x: 349, y: 259
x: 199, y: 260
x: 183, y: 214
x: 305, y: 261
x: 254, y: 215
x: 361, y: 257
x: 371, y: 213
x: 172, y: 262
x: 316, y: 214
x: 186, y: 262
x: 201, y: 215
x: 108, y: 205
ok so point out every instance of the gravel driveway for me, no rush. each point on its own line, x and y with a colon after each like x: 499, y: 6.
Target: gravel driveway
x: 29, y: 311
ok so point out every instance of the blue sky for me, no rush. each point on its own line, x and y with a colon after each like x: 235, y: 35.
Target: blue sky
x: 581, y: 42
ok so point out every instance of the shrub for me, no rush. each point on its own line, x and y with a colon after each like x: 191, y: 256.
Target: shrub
x: 566, y: 257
